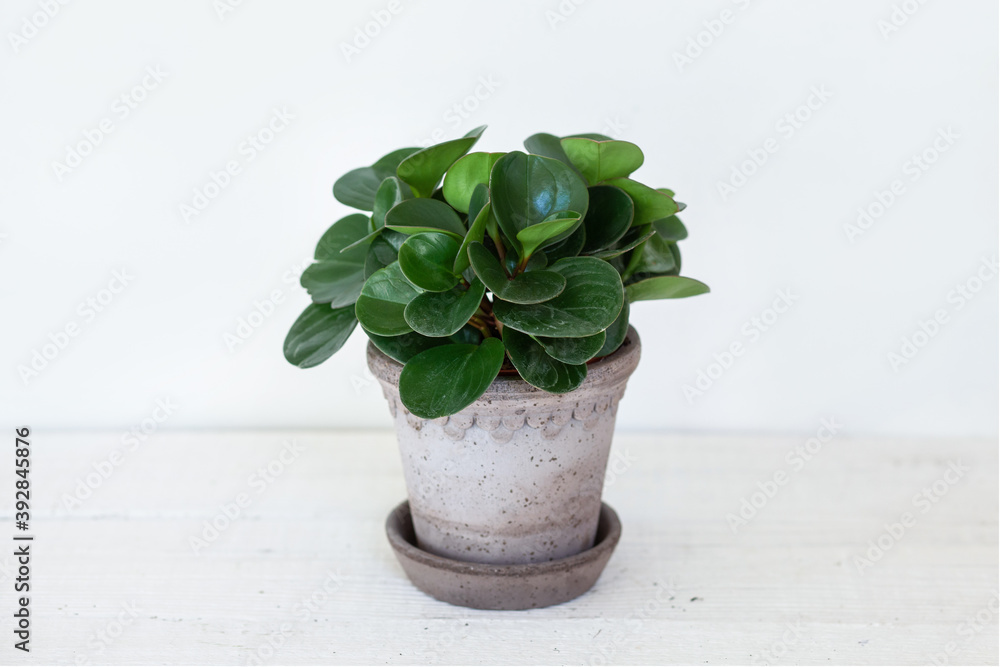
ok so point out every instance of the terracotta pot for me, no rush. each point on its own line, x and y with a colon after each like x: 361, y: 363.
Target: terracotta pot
x: 517, y: 476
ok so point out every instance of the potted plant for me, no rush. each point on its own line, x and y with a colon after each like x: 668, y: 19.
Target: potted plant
x: 495, y: 290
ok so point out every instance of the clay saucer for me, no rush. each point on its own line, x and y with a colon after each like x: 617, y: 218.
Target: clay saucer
x: 490, y: 586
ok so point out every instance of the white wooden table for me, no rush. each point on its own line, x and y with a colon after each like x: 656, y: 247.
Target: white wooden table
x: 304, y: 574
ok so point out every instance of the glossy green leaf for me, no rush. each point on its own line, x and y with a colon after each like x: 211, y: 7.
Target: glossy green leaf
x: 334, y: 283
x: 671, y: 229
x: 608, y: 217
x: 569, y: 247
x: 337, y: 277
x: 527, y: 189
x: 465, y: 175
x: 527, y: 287
x: 423, y: 170
x: 602, y: 160
x: 549, y: 145
x: 415, y: 216
x: 317, y: 333
x: 593, y: 136
x: 615, y: 335
x: 357, y: 188
x: 444, y: 380
x: 467, y: 334
x: 538, y: 368
x: 544, y: 233
x: 480, y: 210
x: 444, y: 313
x: 427, y: 260
x: 636, y: 236
x: 665, y: 287
x: 573, y: 350
x: 383, y: 300
x: 650, y: 204
x: 383, y: 251
x: 590, y: 302
x: 342, y: 234
x: 675, y: 249
x: 653, y: 257
x: 404, y: 347
x: 391, y: 192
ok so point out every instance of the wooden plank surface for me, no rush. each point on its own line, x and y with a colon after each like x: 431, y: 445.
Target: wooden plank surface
x: 304, y: 575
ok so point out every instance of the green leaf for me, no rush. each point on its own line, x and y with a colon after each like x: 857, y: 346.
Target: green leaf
x: 616, y: 333
x: 677, y: 259
x: 423, y: 170
x: 549, y: 145
x: 443, y: 380
x: 602, y: 160
x: 671, y: 229
x: 333, y: 282
x: 538, y: 368
x: 414, y: 216
x: 383, y: 300
x: 465, y: 175
x: 527, y: 287
x: 652, y: 257
x: 337, y: 277
x: 357, y: 188
x: 317, y: 333
x: 608, y: 217
x: 665, y: 287
x: 441, y: 314
x: 573, y: 350
x: 536, y: 236
x: 650, y: 204
x: 391, y: 192
x: 527, y: 189
x: 404, y: 347
x: 383, y: 251
x: 479, y: 213
x: 427, y: 260
x: 593, y: 136
x: 636, y: 236
x: 467, y: 334
x: 569, y: 247
x: 342, y: 234
x: 590, y: 303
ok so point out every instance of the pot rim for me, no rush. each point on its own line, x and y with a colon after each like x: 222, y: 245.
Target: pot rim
x: 399, y: 528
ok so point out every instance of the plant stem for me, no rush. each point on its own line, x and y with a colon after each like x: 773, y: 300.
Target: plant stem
x: 482, y: 326
x: 502, y: 251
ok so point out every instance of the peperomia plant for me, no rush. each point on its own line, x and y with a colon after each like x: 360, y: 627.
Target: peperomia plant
x: 524, y: 261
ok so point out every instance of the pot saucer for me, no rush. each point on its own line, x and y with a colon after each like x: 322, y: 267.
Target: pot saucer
x: 490, y: 586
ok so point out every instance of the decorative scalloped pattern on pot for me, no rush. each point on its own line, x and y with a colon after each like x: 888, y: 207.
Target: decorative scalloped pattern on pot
x: 502, y: 429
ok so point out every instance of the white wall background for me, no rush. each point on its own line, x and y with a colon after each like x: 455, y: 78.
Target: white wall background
x: 559, y: 67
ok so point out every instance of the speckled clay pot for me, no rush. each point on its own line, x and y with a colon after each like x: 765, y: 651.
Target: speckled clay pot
x: 517, y: 476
